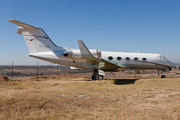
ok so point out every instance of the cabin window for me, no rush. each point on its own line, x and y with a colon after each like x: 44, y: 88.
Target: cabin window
x: 144, y: 59
x: 119, y: 58
x: 135, y: 58
x: 127, y: 58
x: 110, y: 57
x: 65, y: 54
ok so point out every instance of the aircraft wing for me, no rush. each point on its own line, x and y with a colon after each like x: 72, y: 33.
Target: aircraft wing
x: 100, y: 63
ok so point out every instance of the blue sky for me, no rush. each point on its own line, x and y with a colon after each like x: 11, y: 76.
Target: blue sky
x: 147, y: 26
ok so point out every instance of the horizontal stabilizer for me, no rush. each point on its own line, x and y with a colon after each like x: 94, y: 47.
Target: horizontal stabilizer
x: 36, y: 39
x: 24, y: 25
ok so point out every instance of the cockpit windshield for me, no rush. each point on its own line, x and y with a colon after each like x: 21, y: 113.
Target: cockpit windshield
x: 162, y: 57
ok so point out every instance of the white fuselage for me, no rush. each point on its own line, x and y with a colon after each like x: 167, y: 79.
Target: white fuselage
x: 122, y: 59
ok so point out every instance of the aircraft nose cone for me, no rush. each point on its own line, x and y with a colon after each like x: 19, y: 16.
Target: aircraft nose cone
x: 172, y: 65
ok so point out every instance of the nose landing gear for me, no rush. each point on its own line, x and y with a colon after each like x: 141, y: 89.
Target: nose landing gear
x: 162, y: 76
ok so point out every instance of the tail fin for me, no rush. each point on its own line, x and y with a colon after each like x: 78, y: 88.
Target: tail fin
x: 36, y: 39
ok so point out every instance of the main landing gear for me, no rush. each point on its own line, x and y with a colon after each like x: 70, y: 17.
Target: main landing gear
x: 96, y: 75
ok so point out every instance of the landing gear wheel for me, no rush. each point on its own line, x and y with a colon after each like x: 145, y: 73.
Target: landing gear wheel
x: 100, y: 77
x: 163, y: 76
x: 94, y: 77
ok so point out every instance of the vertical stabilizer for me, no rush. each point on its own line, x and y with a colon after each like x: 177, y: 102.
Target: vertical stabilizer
x: 35, y: 38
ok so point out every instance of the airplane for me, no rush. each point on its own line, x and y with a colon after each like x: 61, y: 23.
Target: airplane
x: 41, y: 47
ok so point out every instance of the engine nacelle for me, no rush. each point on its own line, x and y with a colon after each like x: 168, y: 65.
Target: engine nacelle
x: 76, y: 54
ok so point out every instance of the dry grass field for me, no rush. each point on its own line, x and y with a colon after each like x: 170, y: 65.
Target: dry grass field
x: 81, y: 98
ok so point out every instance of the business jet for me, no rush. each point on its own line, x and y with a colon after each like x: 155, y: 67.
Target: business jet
x: 41, y: 47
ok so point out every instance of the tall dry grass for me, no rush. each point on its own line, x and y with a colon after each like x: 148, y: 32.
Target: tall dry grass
x: 154, y: 98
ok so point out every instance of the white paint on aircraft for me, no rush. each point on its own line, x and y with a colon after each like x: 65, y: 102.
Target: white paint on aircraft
x: 41, y: 47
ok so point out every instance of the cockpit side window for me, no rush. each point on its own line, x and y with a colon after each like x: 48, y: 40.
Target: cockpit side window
x: 162, y: 57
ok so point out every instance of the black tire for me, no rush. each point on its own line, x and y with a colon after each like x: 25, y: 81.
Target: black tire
x: 93, y: 77
x: 163, y: 76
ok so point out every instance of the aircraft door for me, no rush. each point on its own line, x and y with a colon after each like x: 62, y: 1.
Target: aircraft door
x: 98, y: 53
